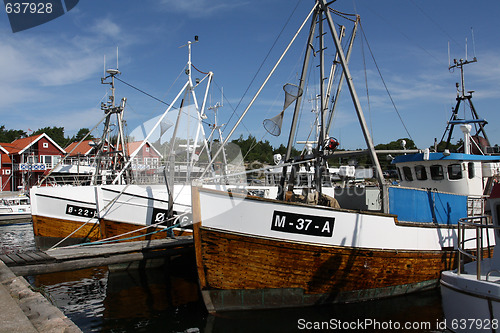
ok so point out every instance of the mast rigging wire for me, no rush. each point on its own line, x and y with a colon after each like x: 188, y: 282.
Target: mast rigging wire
x: 157, y: 99
x: 264, y: 61
x: 383, y: 82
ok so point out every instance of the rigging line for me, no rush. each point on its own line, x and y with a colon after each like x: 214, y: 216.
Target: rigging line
x: 192, y: 65
x: 231, y: 106
x: 265, y: 59
x: 159, y: 100
x: 145, y: 93
x: 389, y: 23
x: 435, y: 23
x: 383, y: 81
x: 343, y: 15
x: 366, y: 85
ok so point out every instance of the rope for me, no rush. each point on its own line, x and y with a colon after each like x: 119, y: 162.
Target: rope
x: 105, y: 207
x: 199, y: 70
x: 366, y: 86
x: 383, y: 81
x: 265, y: 59
x: 145, y: 93
x: 113, y: 239
x: 159, y: 100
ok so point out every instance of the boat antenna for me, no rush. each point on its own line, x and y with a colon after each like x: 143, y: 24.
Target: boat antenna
x: 473, y: 42
x: 449, y: 57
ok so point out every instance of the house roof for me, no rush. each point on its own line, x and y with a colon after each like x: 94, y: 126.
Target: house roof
x: 2, y: 149
x: 19, y: 146
x: 5, y: 158
x: 133, y: 146
x: 84, y: 148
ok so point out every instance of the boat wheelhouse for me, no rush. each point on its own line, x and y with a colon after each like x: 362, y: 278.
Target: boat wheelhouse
x: 458, y: 173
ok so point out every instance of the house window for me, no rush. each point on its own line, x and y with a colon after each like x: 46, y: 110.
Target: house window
x: 6, y: 172
x: 45, y: 145
x: 46, y: 159
x: 420, y: 172
x: 407, y: 173
x: 454, y: 171
x: 437, y: 172
x: 32, y: 159
x: 147, y: 149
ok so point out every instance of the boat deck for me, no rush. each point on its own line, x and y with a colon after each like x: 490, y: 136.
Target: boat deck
x: 467, y: 281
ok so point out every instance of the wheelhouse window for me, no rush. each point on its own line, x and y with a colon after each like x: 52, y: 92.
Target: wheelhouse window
x: 420, y: 172
x: 454, y: 171
x: 437, y: 172
x: 407, y: 174
x: 471, y: 170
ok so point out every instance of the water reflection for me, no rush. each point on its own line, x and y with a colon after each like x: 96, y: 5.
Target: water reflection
x: 16, y: 238
x: 139, y: 300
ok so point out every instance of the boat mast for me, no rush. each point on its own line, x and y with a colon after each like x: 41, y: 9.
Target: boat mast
x: 296, y: 113
x: 461, y: 96
x: 355, y: 99
x: 109, y: 109
x: 342, y: 76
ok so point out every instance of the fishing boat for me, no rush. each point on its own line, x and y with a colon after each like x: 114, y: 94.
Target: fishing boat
x: 257, y: 253
x: 123, y: 195
x: 14, y: 208
x: 471, y: 293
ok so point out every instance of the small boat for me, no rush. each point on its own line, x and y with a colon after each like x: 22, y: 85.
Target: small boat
x: 15, y: 208
x: 384, y: 240
x: 471, y: 293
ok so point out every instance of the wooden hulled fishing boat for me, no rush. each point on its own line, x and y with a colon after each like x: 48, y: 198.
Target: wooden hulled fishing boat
x: 255, y: 253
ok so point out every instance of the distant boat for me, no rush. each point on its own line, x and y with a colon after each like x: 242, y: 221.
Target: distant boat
x: 14, y: 208
x: 255, y: 253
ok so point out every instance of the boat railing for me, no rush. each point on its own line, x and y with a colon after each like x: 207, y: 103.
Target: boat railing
x: 480, y: 224
x: 476, y: 205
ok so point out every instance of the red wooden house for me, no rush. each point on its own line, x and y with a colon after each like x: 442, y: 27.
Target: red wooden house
x: 29, y: 159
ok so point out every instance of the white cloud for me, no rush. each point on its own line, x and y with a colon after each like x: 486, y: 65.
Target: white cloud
x: 200, y: 8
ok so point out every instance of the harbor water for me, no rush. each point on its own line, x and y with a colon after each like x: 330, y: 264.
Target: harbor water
x: 165, y: 298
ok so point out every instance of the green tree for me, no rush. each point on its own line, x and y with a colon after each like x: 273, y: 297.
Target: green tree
x: 81, y: 134
x: 55, y: 133
x: 11, y: 135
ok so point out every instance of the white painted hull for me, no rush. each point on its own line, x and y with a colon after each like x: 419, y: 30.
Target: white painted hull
x: 141, y: 204
x: 471, y: 305
x: 56, y: 203
x: 136, y: 205
x: 232, y: 213
x: 9, y: 214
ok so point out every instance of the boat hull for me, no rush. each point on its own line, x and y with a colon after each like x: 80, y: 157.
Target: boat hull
x: 248, y: 257
x: 72, y: 211
x: 241, y: 272
x: 470, y: 305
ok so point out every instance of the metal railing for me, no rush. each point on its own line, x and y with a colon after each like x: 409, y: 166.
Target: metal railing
x: 479, y: 227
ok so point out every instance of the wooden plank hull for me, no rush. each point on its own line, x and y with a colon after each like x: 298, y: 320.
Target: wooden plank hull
x: 58, y: 228
x: 248, y: 257
x: 242, y: 272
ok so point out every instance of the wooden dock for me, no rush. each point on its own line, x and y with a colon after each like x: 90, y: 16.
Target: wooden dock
x: 73, y: 258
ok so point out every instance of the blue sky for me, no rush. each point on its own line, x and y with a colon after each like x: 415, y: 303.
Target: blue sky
x: 50, y: 74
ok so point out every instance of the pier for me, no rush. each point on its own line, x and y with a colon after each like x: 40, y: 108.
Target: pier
x: 26, y: 310
x: 79, y: 257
